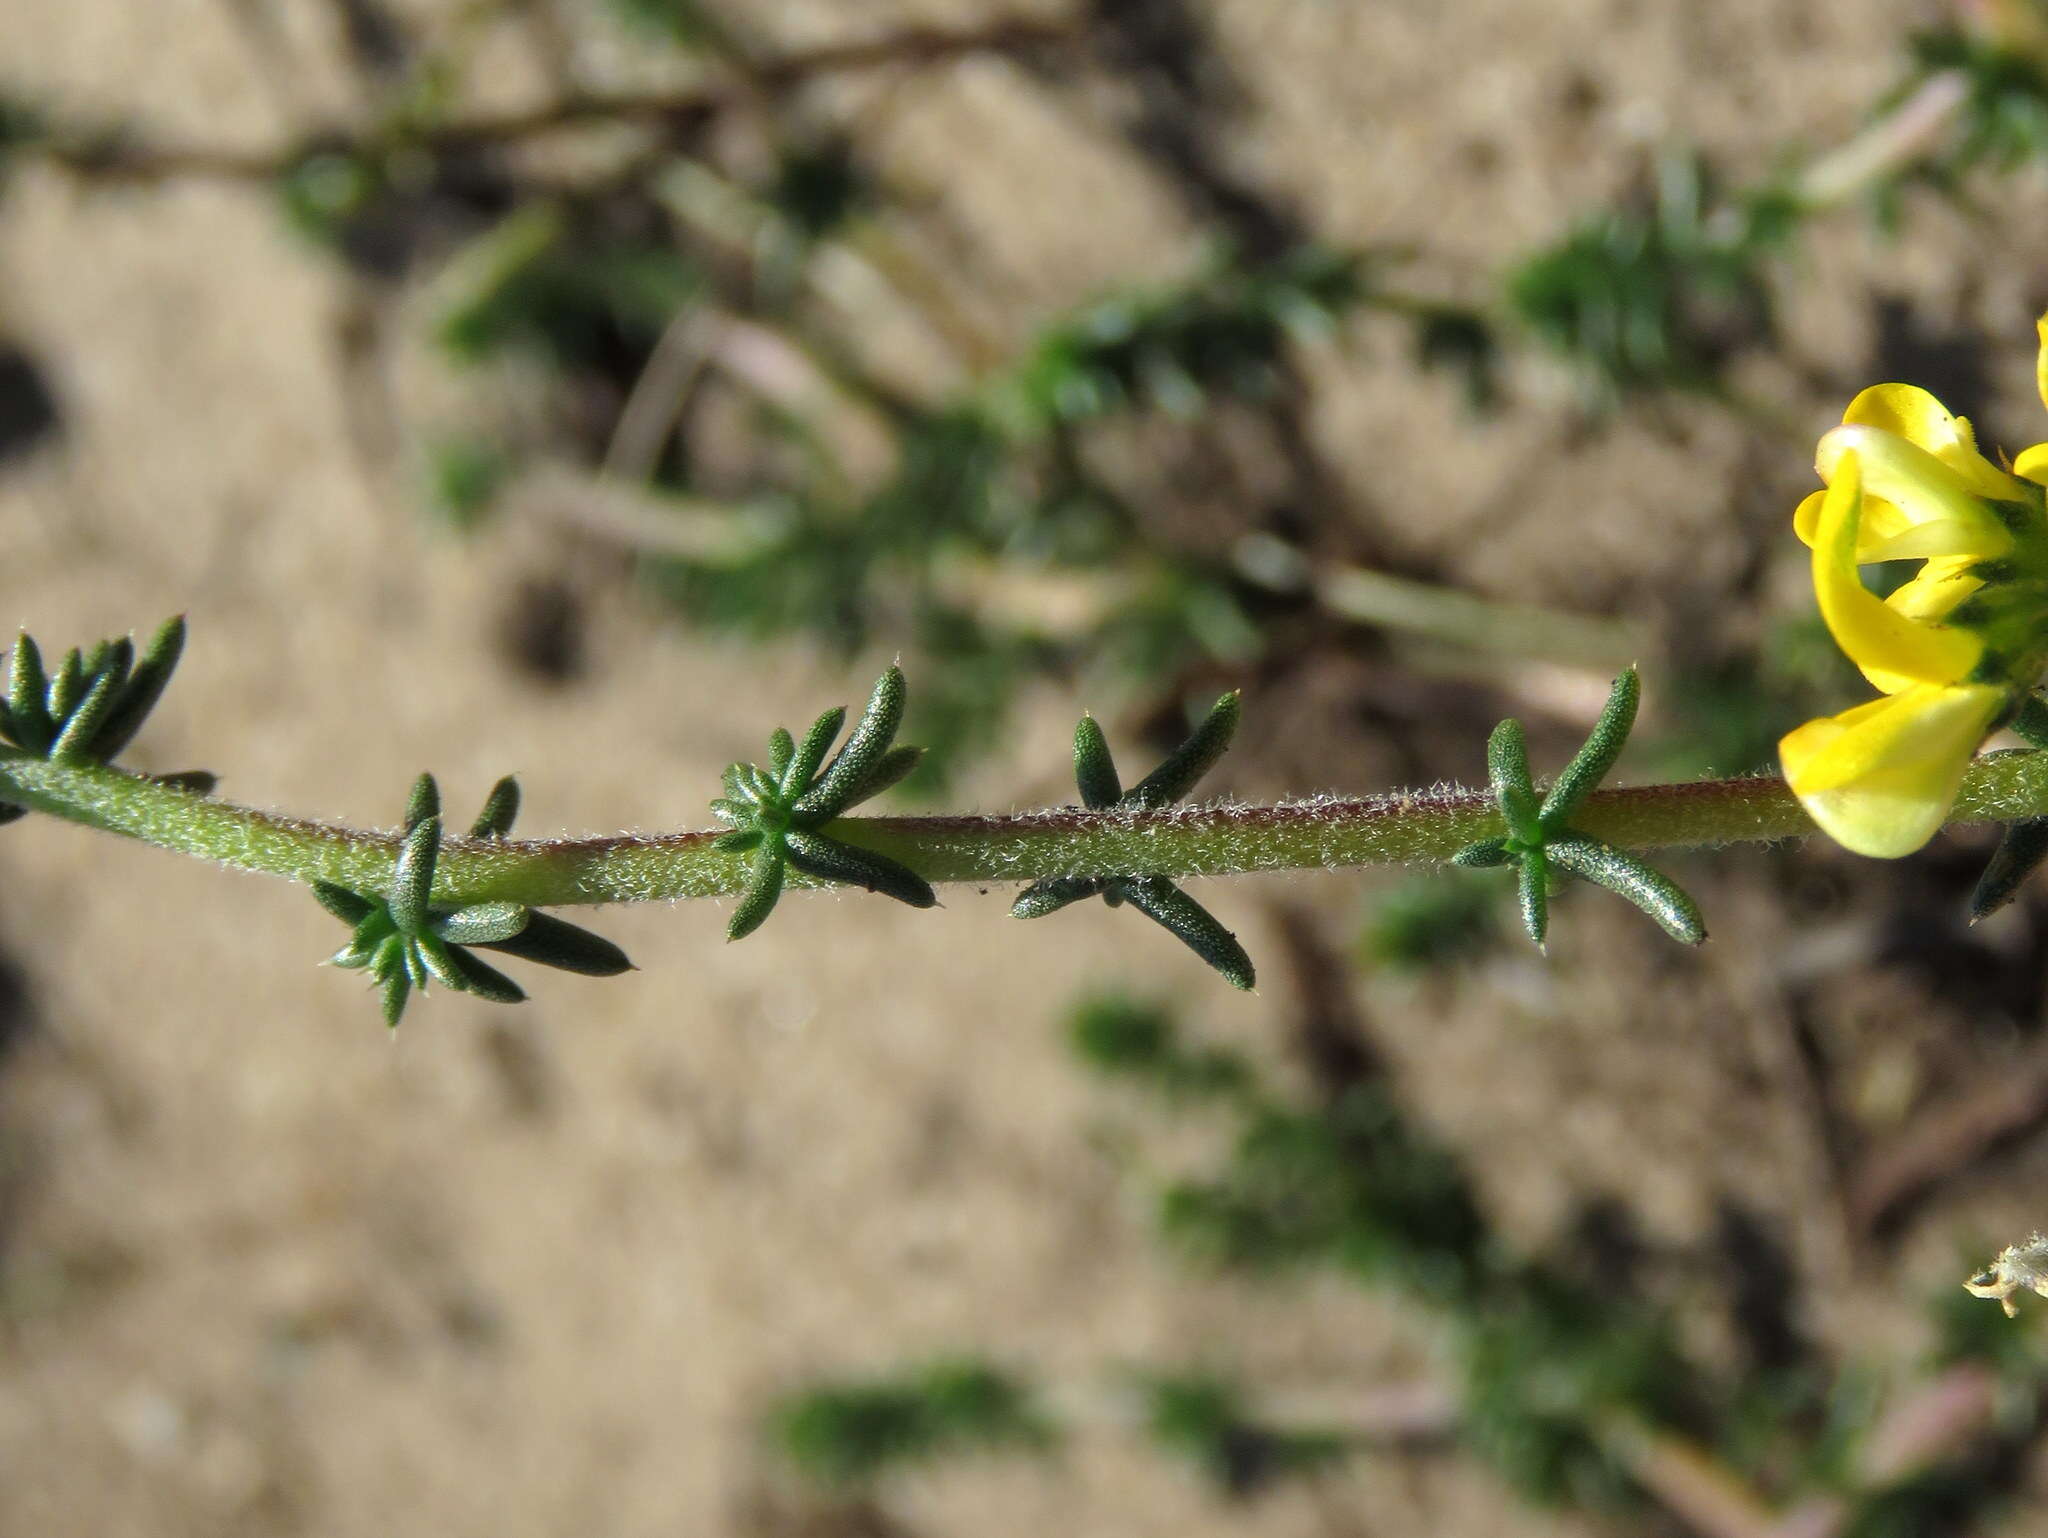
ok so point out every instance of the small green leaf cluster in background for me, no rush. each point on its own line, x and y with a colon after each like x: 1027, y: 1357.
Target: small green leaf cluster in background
x: 1157, y: 897
x: 1559, y: 1379
x: 575, y: 287
x: 1539, y: 837
x: 403, y: 939
x: 1171, y: 349
x: 1659, y: 297
x: 1206, y: 1421
x: 776, y: 814
x: 854, y: 1433
x: 1427, y: 922
x: 1119, y: 1035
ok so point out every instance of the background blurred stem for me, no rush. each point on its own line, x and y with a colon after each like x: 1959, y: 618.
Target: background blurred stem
x: 1884, y: 149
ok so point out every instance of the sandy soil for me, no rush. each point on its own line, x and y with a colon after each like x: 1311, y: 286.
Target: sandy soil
x: 264, y: 1270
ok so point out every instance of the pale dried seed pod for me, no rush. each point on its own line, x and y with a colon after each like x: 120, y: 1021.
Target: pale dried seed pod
x: 2019, y: 1267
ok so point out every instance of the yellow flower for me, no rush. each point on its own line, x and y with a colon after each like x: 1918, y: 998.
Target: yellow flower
x: 1954, y: 650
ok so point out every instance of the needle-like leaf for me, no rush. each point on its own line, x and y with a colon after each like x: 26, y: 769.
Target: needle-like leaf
x: 1199, y: 929
x: 349, y: 907
x: 27, y: 696
x: 74, y: 740
x: 67, y: 687
x: 802, y: 767
x: 424, y: 802
x: 1589, y: 766
x: 2018, y: 855
x: 1095, y: 767
x: 1533, y: 887
x: 1053, y: 894
x: 1627, y: 877
x: 1507, y: 772
x: 482, y: 923
x: 758, y: 901
x: 551, y: 942
x: 870, y: 738
x: 1186, y: 764
x: 144, y: 688
x: 829, y: 860
x: 413, y: 878
x: 500, y: 810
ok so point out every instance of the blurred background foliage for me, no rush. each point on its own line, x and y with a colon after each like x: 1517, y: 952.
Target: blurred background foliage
x: 695, y: 325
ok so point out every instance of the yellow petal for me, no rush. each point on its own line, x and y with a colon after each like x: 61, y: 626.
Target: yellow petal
x: 2041, y: 359
x: 1911, y: 413
x: 1873, y: 634
x: 1880, y: 779
x: 1882, y: 524
x: 1927, y: 490
x: 2032, y: 464
x: 1941, y: 585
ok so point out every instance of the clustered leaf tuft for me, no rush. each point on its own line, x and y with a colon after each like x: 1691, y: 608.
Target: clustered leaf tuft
x: 91, y: 705
x: 1539, y: 841
x: 1155, y: 896
x: 403, y: 939
x: 776, y: 814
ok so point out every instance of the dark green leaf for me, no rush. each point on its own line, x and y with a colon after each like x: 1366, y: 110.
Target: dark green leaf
x: 481, y: 923
x: 1533, y: 886
x: 1095, y: 767
x: 758, y: 901
x: 413, y: 879
x: 396, y: 987
x: 810, y: 753
x: 1167, y: 905
x: 738, y: 789
x: 74, y: 740
x: 349, y: 907
x: 424, y: 802
x: 434, y: 956
x: 830, y: 860
x: 115, y: 656
x: 2031, y: 724
x: 483, y: 980
x: 27, y: 691
x: 2021, y: 850
x: 551, y: 942
x: 1053, y: 894
x: 1590, y: 764
x: 1507, y: 773
x: 890, y: 769
x: 1488, y: 852
x: 738, y: 840
x: 198, y: 782
x: 500, y: 810
x: 67, y: 687
x: 1186, y: 764
x: 781, y: 749
x: 353, y: 955
x: 1627, y: 877
x: 871, y: 737
x: 374, y: 942
x: 144, y: 688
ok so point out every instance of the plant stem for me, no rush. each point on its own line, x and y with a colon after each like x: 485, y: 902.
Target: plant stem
x: 1403, y: 827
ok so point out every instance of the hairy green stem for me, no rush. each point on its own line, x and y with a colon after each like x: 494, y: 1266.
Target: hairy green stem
x: 1328, y: 832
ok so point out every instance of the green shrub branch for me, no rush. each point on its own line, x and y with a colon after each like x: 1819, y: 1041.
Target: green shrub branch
x: 1212, y: 840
